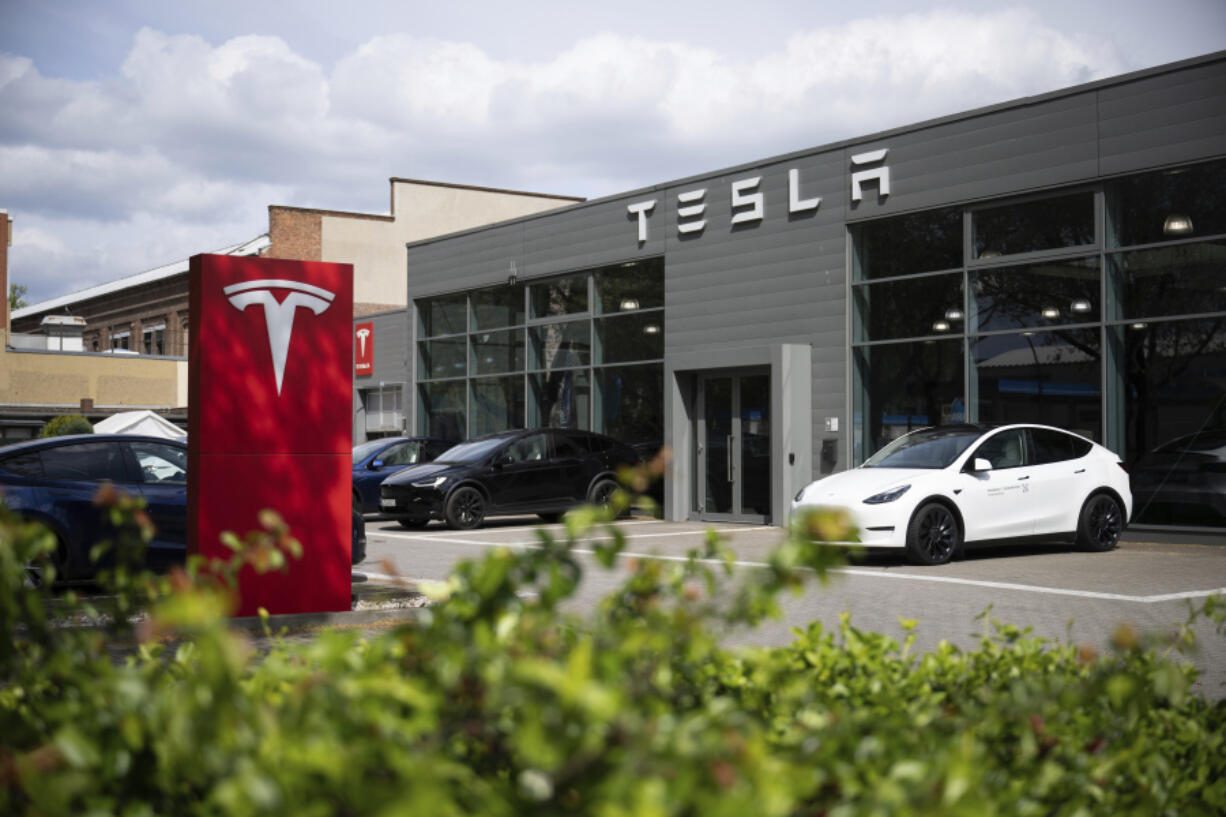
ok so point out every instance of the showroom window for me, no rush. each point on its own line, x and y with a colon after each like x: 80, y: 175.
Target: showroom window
x: 581, y: 350
x: 1101, y: 311
x: 384, y: 410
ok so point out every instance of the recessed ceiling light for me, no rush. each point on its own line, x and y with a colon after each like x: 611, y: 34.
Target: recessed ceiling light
x: 953, y: 314
x: 1051, y: 313
x: 651, y: 329
x: 1080, y: 305
x: 940, y: 326
x: 628, y: 304
x: 1177, y: 224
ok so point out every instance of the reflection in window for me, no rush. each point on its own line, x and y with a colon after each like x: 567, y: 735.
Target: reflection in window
x: 496, y: 352
x: 560, y: 399
x: 909, y: 307
x: 630, y: 286
x: 629, y: 403
x: 1049, y: 224
x: 561, y: 296
x: 497, y: 307
x: 497, y: 404
x: 1175, y: 420
x: 1168, y: 205
x: 630, y: 337
x: 1053, y: 378
x: 903, y: 245
x: 906, y: 386
x: 442, y: 413
x: 444, y: 315
x: 1036, y: 295
x: 561, y: 345
x: 1180, y: 280
x: 443, y: 358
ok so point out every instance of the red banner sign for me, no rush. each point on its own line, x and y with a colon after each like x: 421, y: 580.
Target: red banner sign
x: 364, y: 349
x: 270, y: 394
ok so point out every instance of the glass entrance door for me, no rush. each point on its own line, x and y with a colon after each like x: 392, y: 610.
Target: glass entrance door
x: 733, y: 447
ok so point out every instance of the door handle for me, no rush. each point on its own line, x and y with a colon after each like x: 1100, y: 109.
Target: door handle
x: 1080, y: 471
x: 729, y: 440
x: 1019, y: 479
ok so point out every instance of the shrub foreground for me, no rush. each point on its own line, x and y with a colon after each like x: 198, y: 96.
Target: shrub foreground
x: 498, y: 701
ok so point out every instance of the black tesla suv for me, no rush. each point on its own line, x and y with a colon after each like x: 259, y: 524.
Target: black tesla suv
x: 544, y: 471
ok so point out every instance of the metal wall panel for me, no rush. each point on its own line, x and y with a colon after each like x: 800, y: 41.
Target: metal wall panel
x: 1165, y: 119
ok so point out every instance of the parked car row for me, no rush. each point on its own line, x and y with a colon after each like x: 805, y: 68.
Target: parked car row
x: 55, y: 480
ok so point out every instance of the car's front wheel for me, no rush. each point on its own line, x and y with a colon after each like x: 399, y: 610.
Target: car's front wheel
x: 1100, y: 524
x: 933, y: 535
x: 465, y: 509
x: 602, y: 493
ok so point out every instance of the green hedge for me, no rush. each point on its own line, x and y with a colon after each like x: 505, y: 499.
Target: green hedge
x: 66, y: 424
x: 501, y: 700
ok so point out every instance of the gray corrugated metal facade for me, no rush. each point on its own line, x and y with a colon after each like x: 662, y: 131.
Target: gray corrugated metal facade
x: 772, y: 294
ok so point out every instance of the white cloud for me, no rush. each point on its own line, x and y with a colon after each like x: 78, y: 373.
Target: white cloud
x: 191, y: 141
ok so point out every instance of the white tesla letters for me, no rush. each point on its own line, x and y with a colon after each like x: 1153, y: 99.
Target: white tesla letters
x: 279, y: 317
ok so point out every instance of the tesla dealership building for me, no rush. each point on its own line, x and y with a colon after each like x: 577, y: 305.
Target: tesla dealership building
x: 1058, y: 259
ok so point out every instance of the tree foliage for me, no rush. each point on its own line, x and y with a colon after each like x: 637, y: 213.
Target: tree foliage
x: 66, y: 424
x: 502, y: 700
x: 17, y: 295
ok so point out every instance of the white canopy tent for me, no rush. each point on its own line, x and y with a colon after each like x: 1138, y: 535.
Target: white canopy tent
x: 139, y: 422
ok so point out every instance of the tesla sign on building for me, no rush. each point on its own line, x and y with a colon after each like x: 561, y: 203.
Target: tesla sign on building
x: 364, y: 349
x: 269, y: 391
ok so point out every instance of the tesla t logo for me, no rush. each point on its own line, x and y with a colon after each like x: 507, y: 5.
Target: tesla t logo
x: 364, y: 349
x: 279, y: 317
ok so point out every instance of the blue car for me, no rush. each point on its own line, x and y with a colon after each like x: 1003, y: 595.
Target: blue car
x: 376, y: 460
x: 54, y: 481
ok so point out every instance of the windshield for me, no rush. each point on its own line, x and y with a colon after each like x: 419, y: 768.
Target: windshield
x: 928, y: 448
x: 471, y: 452
x: 361, y: 452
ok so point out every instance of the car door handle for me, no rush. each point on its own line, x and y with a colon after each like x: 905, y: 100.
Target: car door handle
x: 1080, y: 471
x: 1019, y: 479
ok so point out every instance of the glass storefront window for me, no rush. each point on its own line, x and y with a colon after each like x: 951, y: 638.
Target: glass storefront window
x: 561, y: 399
x: 497, y: 404
x: 905, y: 386
x: 1052, y: 378
x: 442, y: 358
x: 625, y: 338
x: 630, y: 286
x: 497, y: 307
x: 1047, y: 224
x: 1036, y: 295
x: 561, y: 345
x: 497, y: 352
x: 560, y: 296
x: 1174, y: 378
x: 444, y: 315
x: 629, y: 404
x: 1185, y: 279
x: 441, y: 410
x: 909, y: 307
x: 917, y: 242
x: 1168, y: 205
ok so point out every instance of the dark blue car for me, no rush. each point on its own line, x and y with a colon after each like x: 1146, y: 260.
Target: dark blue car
x: 376, y: 460
x: 54, y: 481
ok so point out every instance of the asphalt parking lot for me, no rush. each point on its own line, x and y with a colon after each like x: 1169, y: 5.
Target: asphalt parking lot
x: 1055, y: 591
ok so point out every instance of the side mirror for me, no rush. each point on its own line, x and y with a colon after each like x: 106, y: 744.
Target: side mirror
x: 982, y: 465
x: 375, y: 465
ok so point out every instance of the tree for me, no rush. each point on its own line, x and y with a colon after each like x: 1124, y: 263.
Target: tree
x: 67, y: 424
x: 17, y: 293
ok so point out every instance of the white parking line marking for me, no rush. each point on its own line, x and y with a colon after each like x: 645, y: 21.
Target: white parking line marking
x: 851, y: 571
x: 440, y: 537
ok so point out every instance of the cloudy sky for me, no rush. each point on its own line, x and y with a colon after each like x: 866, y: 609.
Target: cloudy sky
x: 134, y: 133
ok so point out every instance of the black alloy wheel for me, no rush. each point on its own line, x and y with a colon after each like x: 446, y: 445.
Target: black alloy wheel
x: 933, y: 535
x: 465, y: 509
x: 1100, y: 524
x: 602, y: 492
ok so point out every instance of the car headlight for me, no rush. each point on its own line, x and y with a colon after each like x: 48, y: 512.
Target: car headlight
x: 430, y: 483
x: 887, y: 496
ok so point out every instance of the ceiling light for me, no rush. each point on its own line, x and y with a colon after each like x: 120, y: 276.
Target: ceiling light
x: 1080, y: 305
x: 628, y: 304
x: 651, y: 329
x: 1138, y: 326
x: 1027, y: 334
x: 1051, y: 313
x: 631, y: 264
x: 1177, y: 224
x: 989, y: 254
x: 940, y: 326
x: 953, y: 314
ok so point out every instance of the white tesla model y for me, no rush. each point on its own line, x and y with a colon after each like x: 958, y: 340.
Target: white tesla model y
x: 935, y: 489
